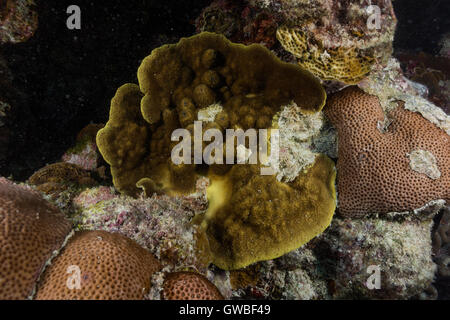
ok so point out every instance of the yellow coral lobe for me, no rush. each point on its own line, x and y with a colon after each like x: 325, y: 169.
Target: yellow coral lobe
x: 343, y: 64
x: 252, y: 217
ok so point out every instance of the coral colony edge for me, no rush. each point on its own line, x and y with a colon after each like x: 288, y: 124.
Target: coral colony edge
x: 253, y: 149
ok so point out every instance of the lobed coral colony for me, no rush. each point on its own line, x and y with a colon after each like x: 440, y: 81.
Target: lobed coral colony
x: 224, y: 230
x: 176, y: 84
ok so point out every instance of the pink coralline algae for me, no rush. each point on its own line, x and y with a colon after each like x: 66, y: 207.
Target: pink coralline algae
x: 18, y: 20
x: 85, y: 153
x: 161, y: 224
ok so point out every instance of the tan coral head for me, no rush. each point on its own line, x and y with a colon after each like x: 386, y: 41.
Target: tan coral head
x: 386, y: 164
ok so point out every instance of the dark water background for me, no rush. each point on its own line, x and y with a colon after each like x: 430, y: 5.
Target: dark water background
x: 68, y: 77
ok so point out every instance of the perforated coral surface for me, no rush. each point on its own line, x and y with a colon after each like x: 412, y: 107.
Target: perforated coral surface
x: 344, y: 64
x: 30, y: 230
x: 374, y: 172
x: 189, y: 286
x: 98, y: 265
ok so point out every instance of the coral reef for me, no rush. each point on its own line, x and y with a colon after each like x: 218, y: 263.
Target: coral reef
x: 374, y: 163
x: 239, y: 21
x: 389, y: 84
x: 18, y: 20
x: 431, y: 71
x: 252, y: 217
x: 189, y: 286
x: 252, y: 86
x: 207, y: 77
x: 441, y: 243
x: 297, y: 132
x: 399, y: 251
x: 160, y: 224
x: 343, y: 64
x: 101, y: 266
x: 31, y: 230
x: 333, y: 39
x: 85, y: 153
x: 61, y: 182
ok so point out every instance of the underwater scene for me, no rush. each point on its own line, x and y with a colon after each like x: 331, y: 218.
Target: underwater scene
x: 235, y: 150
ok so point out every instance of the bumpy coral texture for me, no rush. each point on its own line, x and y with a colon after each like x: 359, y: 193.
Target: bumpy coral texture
x: 175, y: 83
x: 374, y: 173
x: 252, y: 217
x: 189, y: 286
x: 112, y: 267
x: 344, y: 64
x: 56, y: 176
x: 30, y: 230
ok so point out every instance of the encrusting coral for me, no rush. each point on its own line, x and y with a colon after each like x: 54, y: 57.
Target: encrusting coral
x: 61, y: 180
x: 98, y: 265
x: 31, y: 230
x: 189, y: 286
x: 377, y: 171
x: 338, y: 40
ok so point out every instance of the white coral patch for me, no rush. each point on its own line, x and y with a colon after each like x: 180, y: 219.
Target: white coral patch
x: 208, y: 114
x: 296, y: 135
x: 243, y: 154
x: 424, y: 162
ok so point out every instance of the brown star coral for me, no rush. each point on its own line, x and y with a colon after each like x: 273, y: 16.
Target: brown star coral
x: 386, y: 165
x: 30, y: 231
x: 98, y: 265
x: 189, y: 286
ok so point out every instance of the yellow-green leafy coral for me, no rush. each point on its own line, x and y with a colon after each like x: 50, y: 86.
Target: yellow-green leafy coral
x: 253, y: 217
x: 348, y: 65
x: 177, y: 81
x: 250, y: 217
